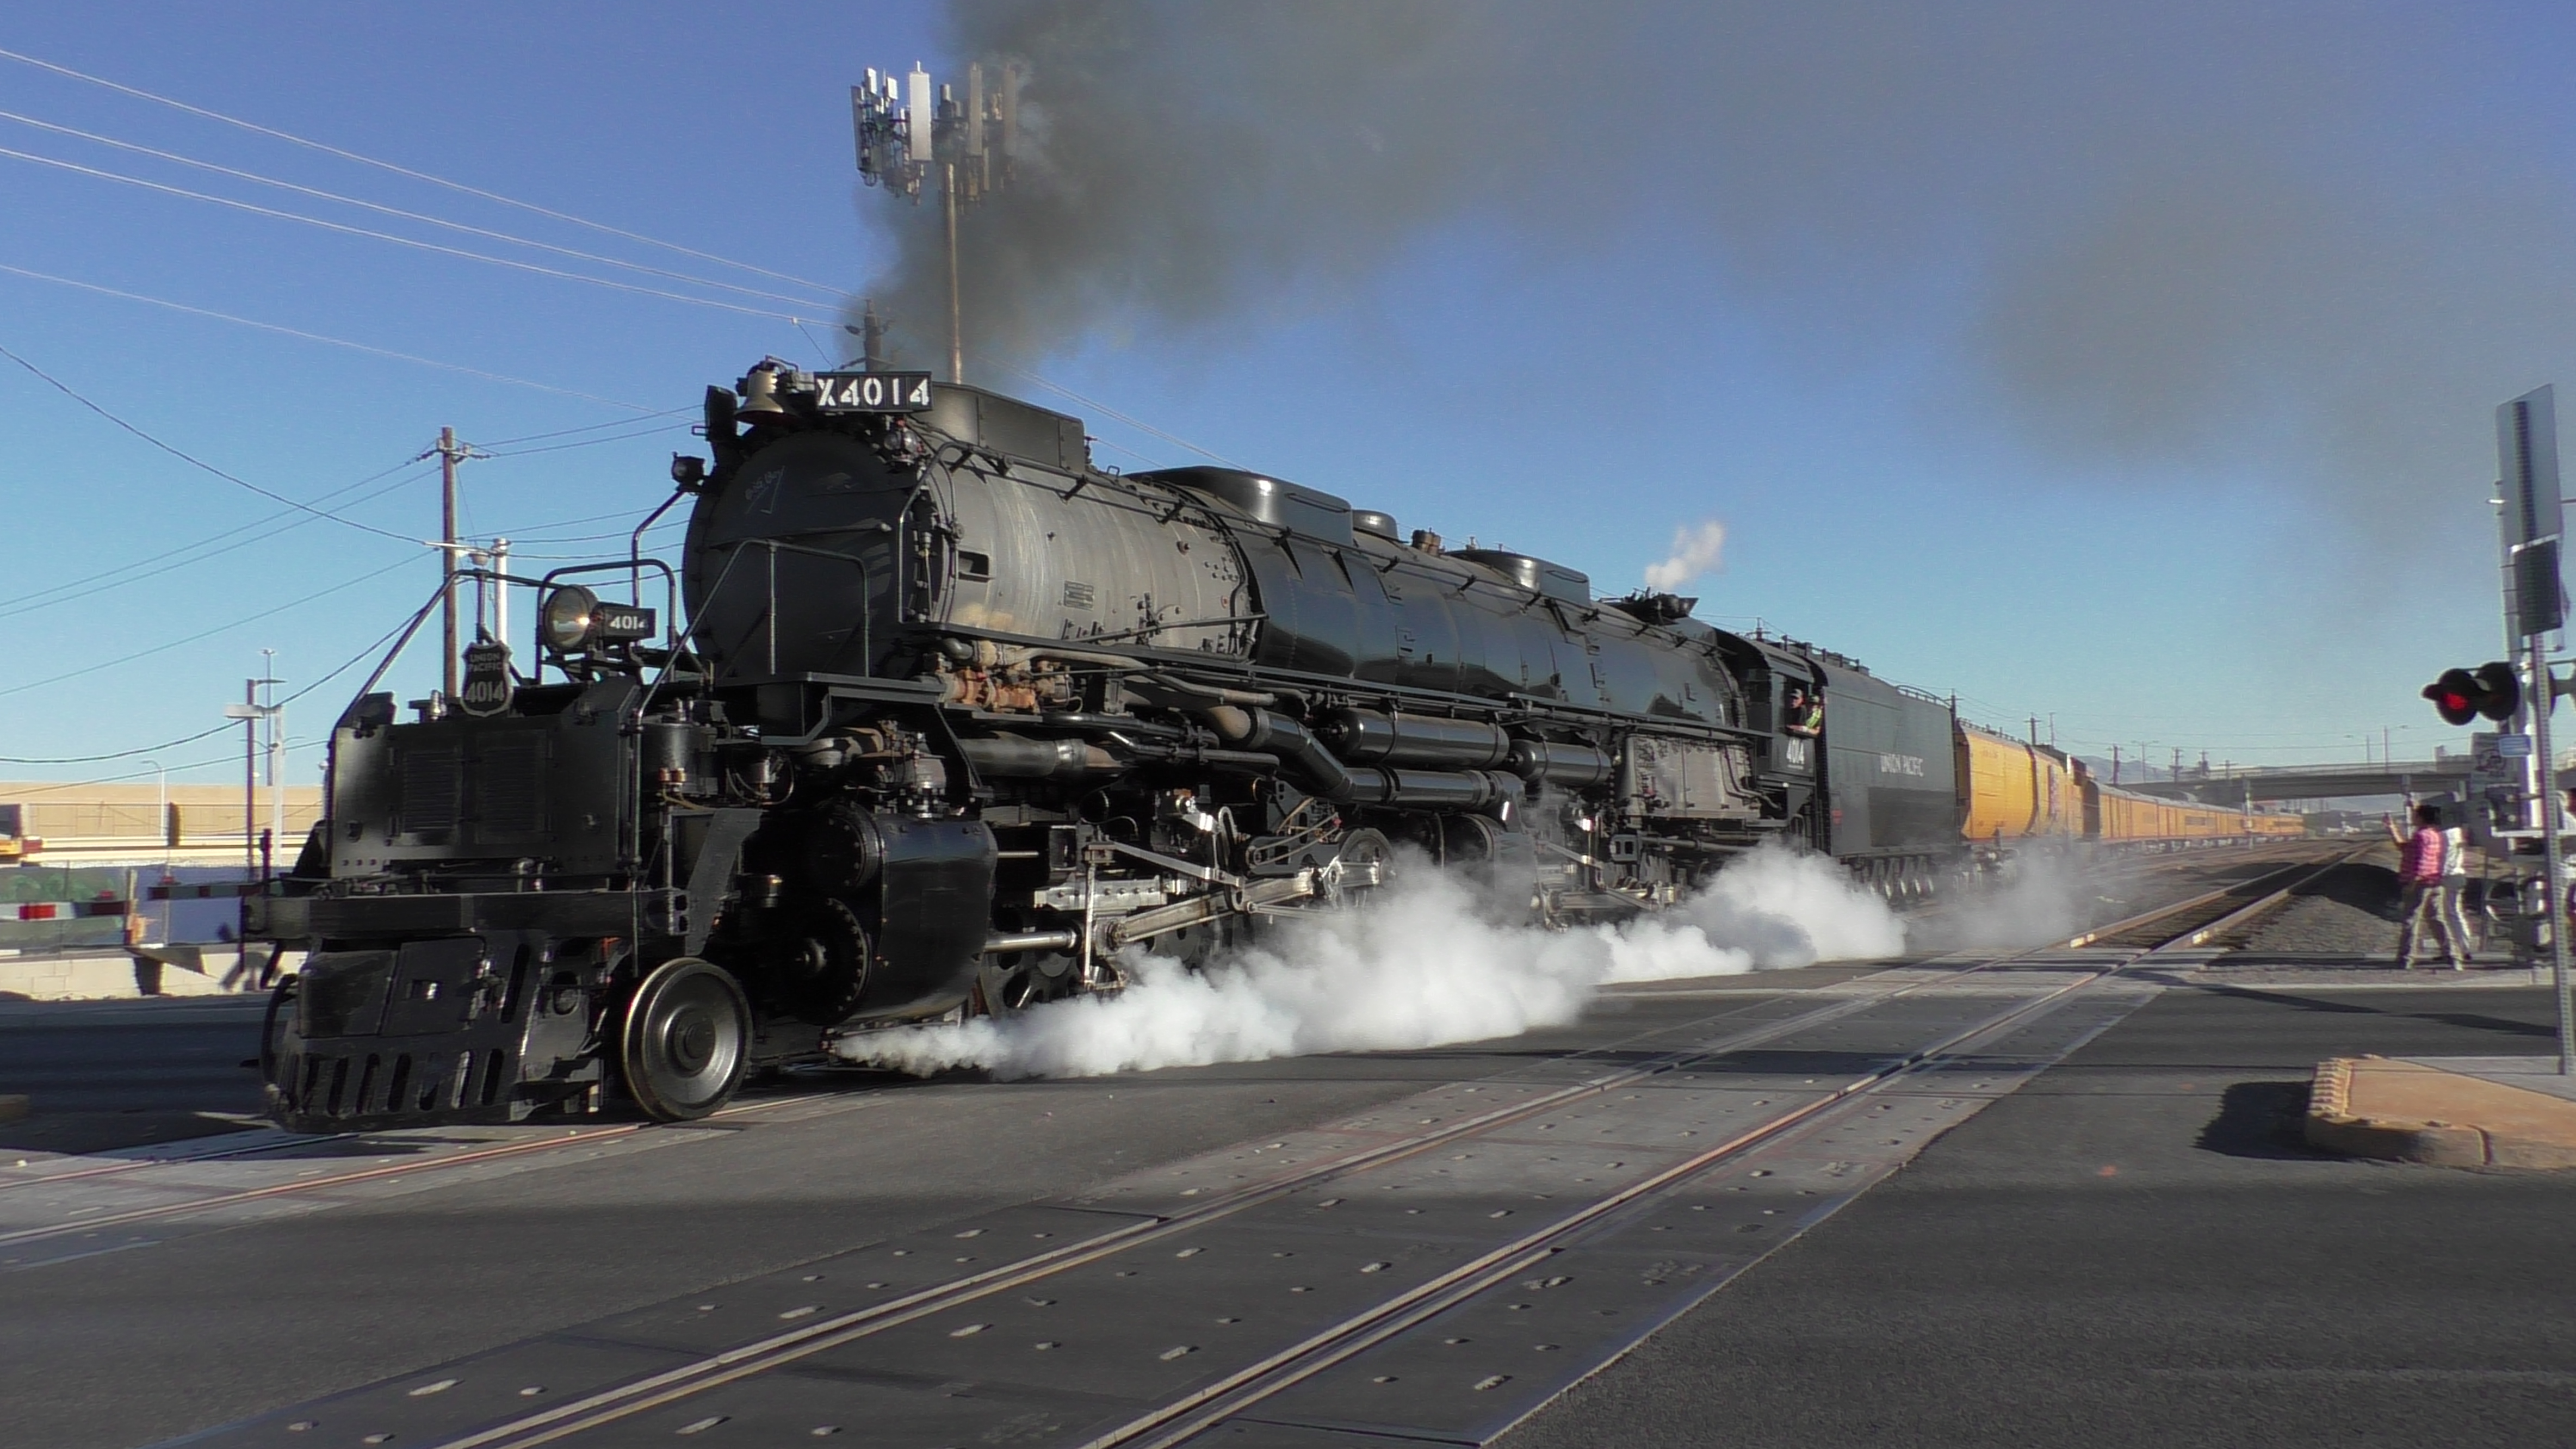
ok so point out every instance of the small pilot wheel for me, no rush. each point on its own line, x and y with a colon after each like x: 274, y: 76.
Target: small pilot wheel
x: 1365, y: 865
x: 1006, y: 984
x: 273, y: 1028
x: 683, y: 1048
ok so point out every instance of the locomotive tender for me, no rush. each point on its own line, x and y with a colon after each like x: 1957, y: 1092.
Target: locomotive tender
x: 958, y: 717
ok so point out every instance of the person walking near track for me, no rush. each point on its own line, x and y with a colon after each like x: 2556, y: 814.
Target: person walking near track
x: 2455, y: 888
x: 2419, y: 873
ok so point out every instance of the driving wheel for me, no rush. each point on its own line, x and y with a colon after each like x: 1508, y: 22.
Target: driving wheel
x: 1364, y: 866
x: 683, y: 1049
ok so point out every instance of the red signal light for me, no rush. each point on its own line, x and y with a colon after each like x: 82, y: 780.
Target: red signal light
x: 2455, y: 696
x: 2460, y: 696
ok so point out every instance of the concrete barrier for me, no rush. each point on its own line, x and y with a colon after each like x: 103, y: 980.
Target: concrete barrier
x: 2403, y: 1111
x: 116, y: 975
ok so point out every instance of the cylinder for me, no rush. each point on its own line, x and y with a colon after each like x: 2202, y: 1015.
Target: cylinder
x: 1576, y: 765
x: 1365, y: 736
x: 1014, y: 757
x: 681, y: 755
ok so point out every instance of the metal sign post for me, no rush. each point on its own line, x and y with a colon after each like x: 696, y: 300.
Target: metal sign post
x: 2527, y: 444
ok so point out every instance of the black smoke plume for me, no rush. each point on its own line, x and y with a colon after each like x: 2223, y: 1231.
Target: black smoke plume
x: 2310, y: 241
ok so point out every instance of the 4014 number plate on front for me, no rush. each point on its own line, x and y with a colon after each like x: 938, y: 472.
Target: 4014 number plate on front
x: 872, y: 392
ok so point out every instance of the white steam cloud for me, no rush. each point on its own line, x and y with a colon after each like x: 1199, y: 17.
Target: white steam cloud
x: 1695, y: 552
x: 2038, y: 897
x: 1422, y: 968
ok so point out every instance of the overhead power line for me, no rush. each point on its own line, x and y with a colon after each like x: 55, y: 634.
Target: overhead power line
x: 205, y: 633
x: 197, y: 552
x: 500, y: 377
x: 498, y: 452
x: 550, y: 212
x: 196, y: 462
x: 590, y: 427
x: 396, y: 211
x: 345, y: 666
x: 385, y: 236
x: 400, y: 170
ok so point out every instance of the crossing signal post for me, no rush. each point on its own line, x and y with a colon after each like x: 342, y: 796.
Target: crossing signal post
x: 2532, y: 523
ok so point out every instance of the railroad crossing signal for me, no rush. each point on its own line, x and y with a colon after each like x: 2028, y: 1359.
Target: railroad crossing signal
x: 2462, y: 695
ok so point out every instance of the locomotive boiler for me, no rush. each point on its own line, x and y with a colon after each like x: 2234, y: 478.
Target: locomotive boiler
x: 951, y: 719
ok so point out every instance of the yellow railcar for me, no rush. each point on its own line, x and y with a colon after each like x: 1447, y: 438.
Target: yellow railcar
x: 2011, y: 790
x: 2117, y: 816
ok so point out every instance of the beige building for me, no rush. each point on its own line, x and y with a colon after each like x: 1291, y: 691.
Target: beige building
x: 58, y: 823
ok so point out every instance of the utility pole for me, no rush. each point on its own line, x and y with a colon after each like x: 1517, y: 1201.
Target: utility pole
x: 250, y: 712
x: 2115, y: 764
x: 275, y: 715
x: 448, y: 456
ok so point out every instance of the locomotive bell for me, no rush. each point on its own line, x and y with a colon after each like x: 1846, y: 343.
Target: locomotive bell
x: 760, y: 396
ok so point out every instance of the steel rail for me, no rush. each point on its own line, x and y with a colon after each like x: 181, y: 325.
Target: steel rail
x: 1173, y: 1423
x: 113, y: 1169
x: 2148, y: 917
x: 2258, y: 908
x: 763, y: 1355
x: 577, y: 1137
x: 574, y: 1137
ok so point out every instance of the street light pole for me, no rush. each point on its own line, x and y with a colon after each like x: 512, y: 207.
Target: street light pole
x: 250, y: 712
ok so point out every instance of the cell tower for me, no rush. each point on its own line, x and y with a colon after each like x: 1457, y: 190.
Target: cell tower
x: 908, y: 131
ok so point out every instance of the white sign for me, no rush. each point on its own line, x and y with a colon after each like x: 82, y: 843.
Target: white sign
x: 2513, y: 747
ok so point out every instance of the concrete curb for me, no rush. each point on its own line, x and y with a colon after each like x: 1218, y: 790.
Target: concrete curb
x: 2405, y: 1112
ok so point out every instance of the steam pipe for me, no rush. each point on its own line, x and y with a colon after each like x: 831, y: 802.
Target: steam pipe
x: 1321, y: 771
x: 1303, y: 754
x: 1366, y: 736
x: 1559, y: 764
x: 1016, y: 757
x: 1032, y: 941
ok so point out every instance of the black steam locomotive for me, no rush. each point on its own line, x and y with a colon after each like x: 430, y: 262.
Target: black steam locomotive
x: 956, y: 717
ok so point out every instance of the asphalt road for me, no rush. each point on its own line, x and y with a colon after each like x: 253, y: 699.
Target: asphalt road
x: 2128, y: 1251
x: 2133, y: 1250
x: 108, y: 1075
x: 135, y: 1346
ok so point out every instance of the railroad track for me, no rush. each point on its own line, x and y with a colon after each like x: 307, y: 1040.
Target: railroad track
x: 2134, y: 869
x: 2214, y: 913
x: 2188, y: 922
x: 172, y: 1173
x: 710, y: 1387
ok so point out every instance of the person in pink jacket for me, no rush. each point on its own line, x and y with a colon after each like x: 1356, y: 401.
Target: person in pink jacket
x: 2419, y: 874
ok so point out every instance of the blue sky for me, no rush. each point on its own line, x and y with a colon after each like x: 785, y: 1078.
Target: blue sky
x: 1574, y: 365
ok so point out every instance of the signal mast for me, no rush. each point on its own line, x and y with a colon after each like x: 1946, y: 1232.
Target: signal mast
x: 906, y: 130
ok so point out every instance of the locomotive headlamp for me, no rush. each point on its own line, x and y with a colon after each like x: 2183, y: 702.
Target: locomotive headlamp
x: 564, y: 621
x: 573, y: 619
